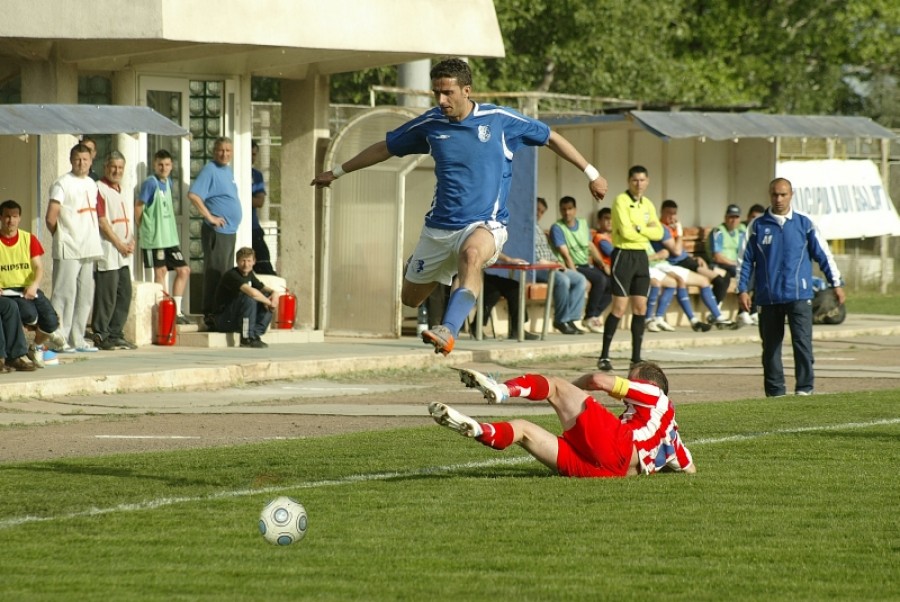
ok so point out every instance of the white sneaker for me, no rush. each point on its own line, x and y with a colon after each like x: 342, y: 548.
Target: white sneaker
x: 755, y: 318
x: 493, y: 391
x: 36, y: 355
x: 652, y: 325
x: 594, y: 325
x: 55, y: 341
x: 459, y: 422
x: 745, y: 319
x: 663, y: 325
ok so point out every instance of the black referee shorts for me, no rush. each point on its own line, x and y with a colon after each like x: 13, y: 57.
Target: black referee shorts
x: 630, y: 273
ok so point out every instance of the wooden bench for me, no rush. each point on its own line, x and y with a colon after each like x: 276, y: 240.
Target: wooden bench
x: 694, y: 239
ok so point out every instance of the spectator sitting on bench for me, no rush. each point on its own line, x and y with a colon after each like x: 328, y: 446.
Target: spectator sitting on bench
x: 243, y: 303
x: 725, y: 243
x: 755, y: 211
x: 569, y: 286
x: 21, y: 270
x: 601, y: 236
x: 685, y: 278
x: 571, y: 240
x: 668, y: 215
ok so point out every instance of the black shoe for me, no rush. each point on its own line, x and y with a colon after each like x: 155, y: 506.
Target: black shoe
x: 575, y: 327
x: 699, y: 326
x: 182, y: 320
x: 726, y: 325
x: 258, y: 344
x: 245, y: 342
x: 564, y: 327
x: 530, y: 336
x: 121, y: 343
x: 103, y: 344
x: 209, y: 322
x: 604, y: 364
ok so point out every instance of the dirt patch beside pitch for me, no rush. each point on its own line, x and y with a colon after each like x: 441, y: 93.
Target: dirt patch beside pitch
x: 842, y: 367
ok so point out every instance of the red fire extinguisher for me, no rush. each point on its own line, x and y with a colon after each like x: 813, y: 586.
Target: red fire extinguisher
x: 165, y: 321
x: 287, y: 311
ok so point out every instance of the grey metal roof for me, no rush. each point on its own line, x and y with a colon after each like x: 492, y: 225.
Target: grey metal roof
x: 20, y: 120
x: 728, y: 126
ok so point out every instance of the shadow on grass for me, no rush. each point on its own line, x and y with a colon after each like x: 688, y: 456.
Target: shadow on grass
x: 475, y: 472
x: 102, y: 471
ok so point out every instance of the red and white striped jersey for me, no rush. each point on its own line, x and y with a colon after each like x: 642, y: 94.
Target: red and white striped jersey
x: 651, y: 416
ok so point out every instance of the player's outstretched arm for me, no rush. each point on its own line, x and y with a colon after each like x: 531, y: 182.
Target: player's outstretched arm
x: 562, y: 147
x: 376, y: 153
x: 596, y: 381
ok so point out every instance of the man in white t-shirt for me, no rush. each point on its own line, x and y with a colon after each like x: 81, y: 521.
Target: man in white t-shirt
x: 72, y: 220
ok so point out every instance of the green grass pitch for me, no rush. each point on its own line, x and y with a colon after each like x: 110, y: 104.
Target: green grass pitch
x: 795, y: 498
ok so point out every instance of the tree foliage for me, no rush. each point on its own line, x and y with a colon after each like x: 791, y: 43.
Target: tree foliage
x: 786, y: 56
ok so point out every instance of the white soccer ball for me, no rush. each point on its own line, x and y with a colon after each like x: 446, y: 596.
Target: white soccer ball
x: 283, y: 521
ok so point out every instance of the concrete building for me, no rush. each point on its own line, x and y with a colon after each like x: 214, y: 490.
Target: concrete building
x: 193, y: 62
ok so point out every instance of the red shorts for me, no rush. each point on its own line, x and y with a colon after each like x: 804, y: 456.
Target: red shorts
x: 599, y: 445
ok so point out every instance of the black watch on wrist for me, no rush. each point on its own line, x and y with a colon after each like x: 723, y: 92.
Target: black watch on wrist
x: 637, y: 229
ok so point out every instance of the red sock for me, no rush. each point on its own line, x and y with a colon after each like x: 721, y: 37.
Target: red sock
x: 531, y: 386
x: 498, y: 435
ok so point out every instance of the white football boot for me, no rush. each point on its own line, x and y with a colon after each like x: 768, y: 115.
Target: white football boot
x: 457, y: 421
x: 493, y: 391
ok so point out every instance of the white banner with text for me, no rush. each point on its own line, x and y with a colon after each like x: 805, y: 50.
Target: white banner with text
x: 846, y: 199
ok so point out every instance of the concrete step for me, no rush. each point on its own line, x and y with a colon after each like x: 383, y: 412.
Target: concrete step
x: 219, y: 340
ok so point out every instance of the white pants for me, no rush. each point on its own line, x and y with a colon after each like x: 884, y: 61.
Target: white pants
x: 73, y: 296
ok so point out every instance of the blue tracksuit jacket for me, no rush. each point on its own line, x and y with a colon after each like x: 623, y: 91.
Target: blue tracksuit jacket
x: 779, y: 259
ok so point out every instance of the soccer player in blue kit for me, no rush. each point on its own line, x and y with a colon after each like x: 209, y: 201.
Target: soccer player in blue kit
x: 472, y: 146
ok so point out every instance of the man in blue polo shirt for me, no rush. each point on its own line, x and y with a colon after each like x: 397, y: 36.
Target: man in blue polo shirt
x: 215, y: 195
x: 472, y: 146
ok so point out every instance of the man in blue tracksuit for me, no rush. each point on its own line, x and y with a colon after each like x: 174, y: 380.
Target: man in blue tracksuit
x: 778, y: 252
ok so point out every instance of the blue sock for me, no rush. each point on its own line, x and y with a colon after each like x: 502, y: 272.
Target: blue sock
x: 665, y: 300
x: 684, y: 300
x: 709, y: 300
x: 651, y: 300
x: 462, y: 300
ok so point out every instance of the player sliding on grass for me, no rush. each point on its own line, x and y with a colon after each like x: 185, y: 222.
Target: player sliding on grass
x: 472, y: 145
x: 594, y: 443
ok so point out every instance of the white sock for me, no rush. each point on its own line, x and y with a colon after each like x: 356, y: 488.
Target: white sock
x: 177, y: 304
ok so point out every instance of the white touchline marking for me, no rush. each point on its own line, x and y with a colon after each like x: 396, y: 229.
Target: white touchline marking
x: 144, y: 437
x: 384, y: 476
x: 799, y: 429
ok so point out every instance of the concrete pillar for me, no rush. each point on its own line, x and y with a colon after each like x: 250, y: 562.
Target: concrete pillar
x: 50, y: 82
x: 304, y: 137
x: 415, y: 75
x: 124, y: 92
x: 242, y: 160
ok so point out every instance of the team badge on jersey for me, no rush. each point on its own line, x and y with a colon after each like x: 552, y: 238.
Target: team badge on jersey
x: 484, y: 133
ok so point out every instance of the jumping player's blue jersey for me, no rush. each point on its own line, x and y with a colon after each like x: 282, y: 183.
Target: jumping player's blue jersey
x: 473, y: 160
